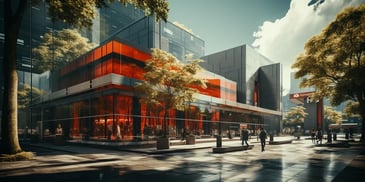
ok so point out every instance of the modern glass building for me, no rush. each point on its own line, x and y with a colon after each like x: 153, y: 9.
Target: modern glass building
x: 259, y: 80
x: 93, y: 97
x: 131, y: 25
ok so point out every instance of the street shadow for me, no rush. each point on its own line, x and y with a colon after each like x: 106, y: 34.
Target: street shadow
x: 106, y: 173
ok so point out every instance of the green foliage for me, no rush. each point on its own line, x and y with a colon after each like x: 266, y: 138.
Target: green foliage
x: 336, y: 58
x: 58, y: 48
x: 352, y: 109
x: 80, y: 13
x: 168, y: 83
x: 24, y: 95
x: 332, y: 116
x: 295, y: 116
x: 334, y: 61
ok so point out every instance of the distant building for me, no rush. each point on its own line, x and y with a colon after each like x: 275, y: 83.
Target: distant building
x: 301, y: 96
x: 315, y: 108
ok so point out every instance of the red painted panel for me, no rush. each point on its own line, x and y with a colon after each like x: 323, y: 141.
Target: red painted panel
x: 97, y: 53
x: 109, y: 48
x: 89, y: 58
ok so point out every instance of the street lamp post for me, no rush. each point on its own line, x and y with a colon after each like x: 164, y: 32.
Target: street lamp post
x: 219, y: 137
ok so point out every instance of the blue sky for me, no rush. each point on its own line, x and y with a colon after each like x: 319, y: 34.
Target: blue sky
x: 278, y: 29
x: 224, y: 24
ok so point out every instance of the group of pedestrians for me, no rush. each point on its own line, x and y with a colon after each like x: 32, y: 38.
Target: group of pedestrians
x: 317, y: 136
x: 262, y: 136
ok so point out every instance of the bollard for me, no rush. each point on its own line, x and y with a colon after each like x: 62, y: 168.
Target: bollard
x: 329, y: 137
x: 219, y: 141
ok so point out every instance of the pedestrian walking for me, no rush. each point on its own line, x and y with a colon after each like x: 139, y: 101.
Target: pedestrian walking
x: 229, y: 134
x: 244, y: 136
x: 313, y: 135
x: 263, y: 137
x: 319, y: 136
x: 183, y: 134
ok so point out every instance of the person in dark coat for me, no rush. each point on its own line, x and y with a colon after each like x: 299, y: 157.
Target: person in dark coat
x: 313, y: 135
x: 263, y: 137
x: 244, y: 137
x: 319, y: 136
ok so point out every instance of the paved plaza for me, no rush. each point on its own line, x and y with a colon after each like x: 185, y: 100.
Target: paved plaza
x: 300, y: 160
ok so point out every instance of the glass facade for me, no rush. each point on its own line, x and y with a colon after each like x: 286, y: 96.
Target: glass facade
x: 258, y: 81
x: 131, y: 25
x: 145, y: 33
x: 180, y: 42
x: 250, y: 70
x: 36, y: 23
x: 94, y: 100
x: 93, y: 97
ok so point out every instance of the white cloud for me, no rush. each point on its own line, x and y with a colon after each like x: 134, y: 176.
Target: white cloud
x: 284, y: 39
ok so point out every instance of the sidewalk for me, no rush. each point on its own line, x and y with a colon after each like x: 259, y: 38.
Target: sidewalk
x: 286, y: 162
x: 355, y: 171
x: 148, y: 147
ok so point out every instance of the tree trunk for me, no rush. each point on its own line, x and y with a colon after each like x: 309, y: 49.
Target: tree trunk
x: 362, y: 139
x: 9, y: 118
x: 164, y: 126
x: 362, y: 114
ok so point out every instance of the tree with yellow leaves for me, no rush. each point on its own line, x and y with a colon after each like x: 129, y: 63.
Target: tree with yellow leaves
x: 169, y: 84
x: 334, y: 61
